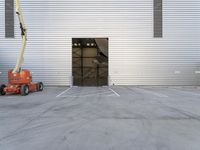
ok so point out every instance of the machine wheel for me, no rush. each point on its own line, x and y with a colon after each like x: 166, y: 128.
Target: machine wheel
x: 2, y: 90
x: 40, y: 86
x: 24, y: 90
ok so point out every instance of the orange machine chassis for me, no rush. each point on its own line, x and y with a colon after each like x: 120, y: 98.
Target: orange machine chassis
x: 20, y: 83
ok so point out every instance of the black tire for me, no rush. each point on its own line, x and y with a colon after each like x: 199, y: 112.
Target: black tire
x: 2, y: 90
x: 24, y: 90
x: 40, y: 86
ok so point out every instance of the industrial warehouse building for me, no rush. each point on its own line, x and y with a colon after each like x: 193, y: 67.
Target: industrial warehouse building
x: 105, y: 42
x: 148, y: 49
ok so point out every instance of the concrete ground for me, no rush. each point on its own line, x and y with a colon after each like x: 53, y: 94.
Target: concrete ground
x: 102, y: 118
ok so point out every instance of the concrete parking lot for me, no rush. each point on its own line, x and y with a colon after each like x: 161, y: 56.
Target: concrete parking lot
x: 102, y: 118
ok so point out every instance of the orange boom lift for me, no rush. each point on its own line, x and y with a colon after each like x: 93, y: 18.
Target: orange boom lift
x: 20, y: 80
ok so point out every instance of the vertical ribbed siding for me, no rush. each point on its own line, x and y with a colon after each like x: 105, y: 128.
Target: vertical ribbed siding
x: 135, y: 56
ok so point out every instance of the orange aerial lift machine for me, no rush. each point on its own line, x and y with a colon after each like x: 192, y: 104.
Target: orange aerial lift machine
x: 20, y: 80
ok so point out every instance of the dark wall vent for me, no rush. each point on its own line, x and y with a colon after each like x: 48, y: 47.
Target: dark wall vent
x: 9, y: 18
x: 158, y: 19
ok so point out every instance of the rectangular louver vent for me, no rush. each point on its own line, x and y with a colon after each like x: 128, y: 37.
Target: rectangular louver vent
x: 158, y: 23
x: 9, y: 18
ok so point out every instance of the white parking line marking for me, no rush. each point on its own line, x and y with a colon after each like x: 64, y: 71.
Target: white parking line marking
x: 114, y: 92
x: 94, y: 94
x: 63, y: 92
x: 88, y: 95
x: 109, y: 92
x: 112, y: 95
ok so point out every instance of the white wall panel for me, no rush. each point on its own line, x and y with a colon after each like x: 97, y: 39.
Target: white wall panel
x: 136, y: 58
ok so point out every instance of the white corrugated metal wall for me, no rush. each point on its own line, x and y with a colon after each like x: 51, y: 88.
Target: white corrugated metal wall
x: 136, y: 58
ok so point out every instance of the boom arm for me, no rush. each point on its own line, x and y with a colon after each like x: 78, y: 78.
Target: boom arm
x: 20, y: 59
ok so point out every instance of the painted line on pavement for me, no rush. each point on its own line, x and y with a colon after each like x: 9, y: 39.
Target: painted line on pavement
x: 63, y: 92
x: 114, y: 92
